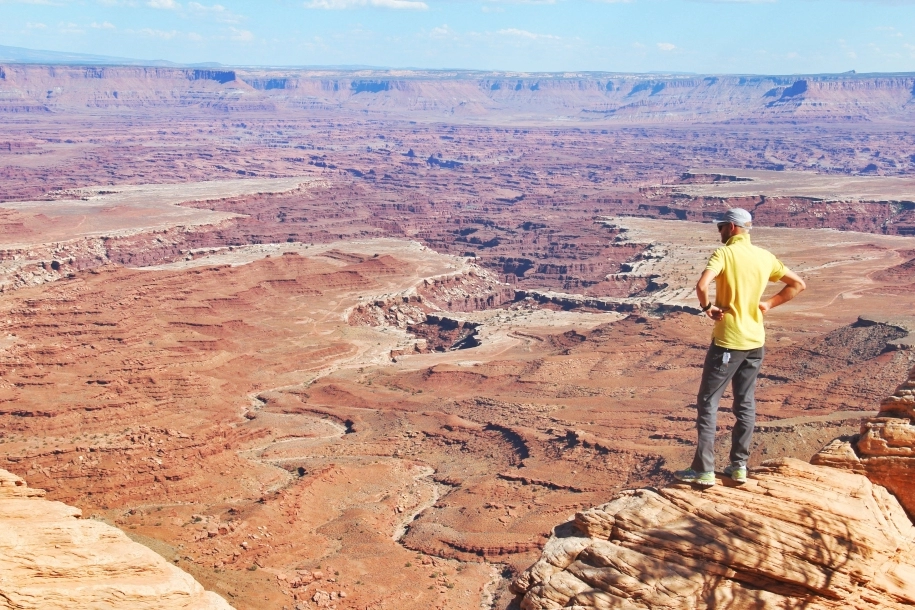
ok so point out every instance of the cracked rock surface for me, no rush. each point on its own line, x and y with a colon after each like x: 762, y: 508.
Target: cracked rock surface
x: 50, y: 558
x: 794, y: 536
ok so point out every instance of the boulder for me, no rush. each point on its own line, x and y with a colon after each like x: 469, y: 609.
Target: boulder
x: 884, y: 450
x: 50, y: 559
x: 794, y: 536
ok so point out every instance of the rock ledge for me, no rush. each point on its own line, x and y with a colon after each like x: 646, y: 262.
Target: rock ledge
x: 794, y: 536
x: 49, y: 558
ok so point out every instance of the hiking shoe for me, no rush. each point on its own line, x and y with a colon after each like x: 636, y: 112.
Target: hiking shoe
x: 705, y: 479
x: 738, y: 474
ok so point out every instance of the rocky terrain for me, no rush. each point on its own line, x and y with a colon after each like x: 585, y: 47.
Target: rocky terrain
x: 199, y: 404
x: 794, y: 536
x: 322, y: 342
x: 884, y: 449
x: 53, y: 559
x: 835, y: 534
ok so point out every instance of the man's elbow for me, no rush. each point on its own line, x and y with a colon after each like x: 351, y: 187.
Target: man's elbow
x: 798, y: 284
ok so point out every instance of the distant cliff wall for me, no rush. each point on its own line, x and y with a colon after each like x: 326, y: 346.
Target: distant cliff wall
x: 589, y: 97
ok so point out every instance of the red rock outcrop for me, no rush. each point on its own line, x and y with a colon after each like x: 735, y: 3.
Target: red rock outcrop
x: 794, y: 536
x: 51, y: 559
x: 885, y: 448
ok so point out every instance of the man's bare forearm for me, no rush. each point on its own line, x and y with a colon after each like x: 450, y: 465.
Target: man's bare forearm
x: 702, y: 287
x: 702, y: 294
x: 793, y: 286
x: 784, y: 295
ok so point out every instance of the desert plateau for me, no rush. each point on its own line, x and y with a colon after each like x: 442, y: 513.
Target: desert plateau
x: 402, y: 340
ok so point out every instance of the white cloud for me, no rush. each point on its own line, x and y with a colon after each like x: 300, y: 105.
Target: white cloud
x: 216, y: 11
x: 241, y: 35
x: 345, y: 4
x: 176, y: 34
x: 442, y: 32
x: 525, y: 34
x: 164, y: 4
x: 492, y: 9
x: 35, y: 26
x: 164, y: 35
x: 666, y: 46
x: 524, y: 1
x: 70, y: 28
x: 890, y: 31
x: 105, y: 25
x: 513, y: 36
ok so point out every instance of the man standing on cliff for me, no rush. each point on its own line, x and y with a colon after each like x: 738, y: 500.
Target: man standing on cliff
x: 741, y: 272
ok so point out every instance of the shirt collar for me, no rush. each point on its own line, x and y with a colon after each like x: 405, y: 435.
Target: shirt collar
x: 738, y: 238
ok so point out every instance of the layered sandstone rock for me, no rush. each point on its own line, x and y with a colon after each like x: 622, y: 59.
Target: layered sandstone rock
x: 794, y: 536
x: 608, y: 97
x: 51, y: 559
x: 885, y: 448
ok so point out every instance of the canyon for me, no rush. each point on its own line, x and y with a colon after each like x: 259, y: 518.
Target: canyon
x: 366, y: 339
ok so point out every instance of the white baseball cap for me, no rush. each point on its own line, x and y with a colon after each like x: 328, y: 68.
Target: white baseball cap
x: 739, y: 216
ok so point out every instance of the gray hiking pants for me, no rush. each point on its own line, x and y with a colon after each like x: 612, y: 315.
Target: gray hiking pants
x: 741, y: 369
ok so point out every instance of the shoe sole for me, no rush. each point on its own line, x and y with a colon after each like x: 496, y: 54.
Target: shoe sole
x: 697, y: 482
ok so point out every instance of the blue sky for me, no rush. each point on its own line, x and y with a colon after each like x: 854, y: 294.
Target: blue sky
x: 723, y: 36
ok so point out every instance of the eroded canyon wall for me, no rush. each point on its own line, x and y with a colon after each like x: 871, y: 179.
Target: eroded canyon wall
x: 462, y: 96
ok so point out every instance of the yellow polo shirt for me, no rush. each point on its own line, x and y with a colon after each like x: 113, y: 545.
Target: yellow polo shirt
x: 742, y: 272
